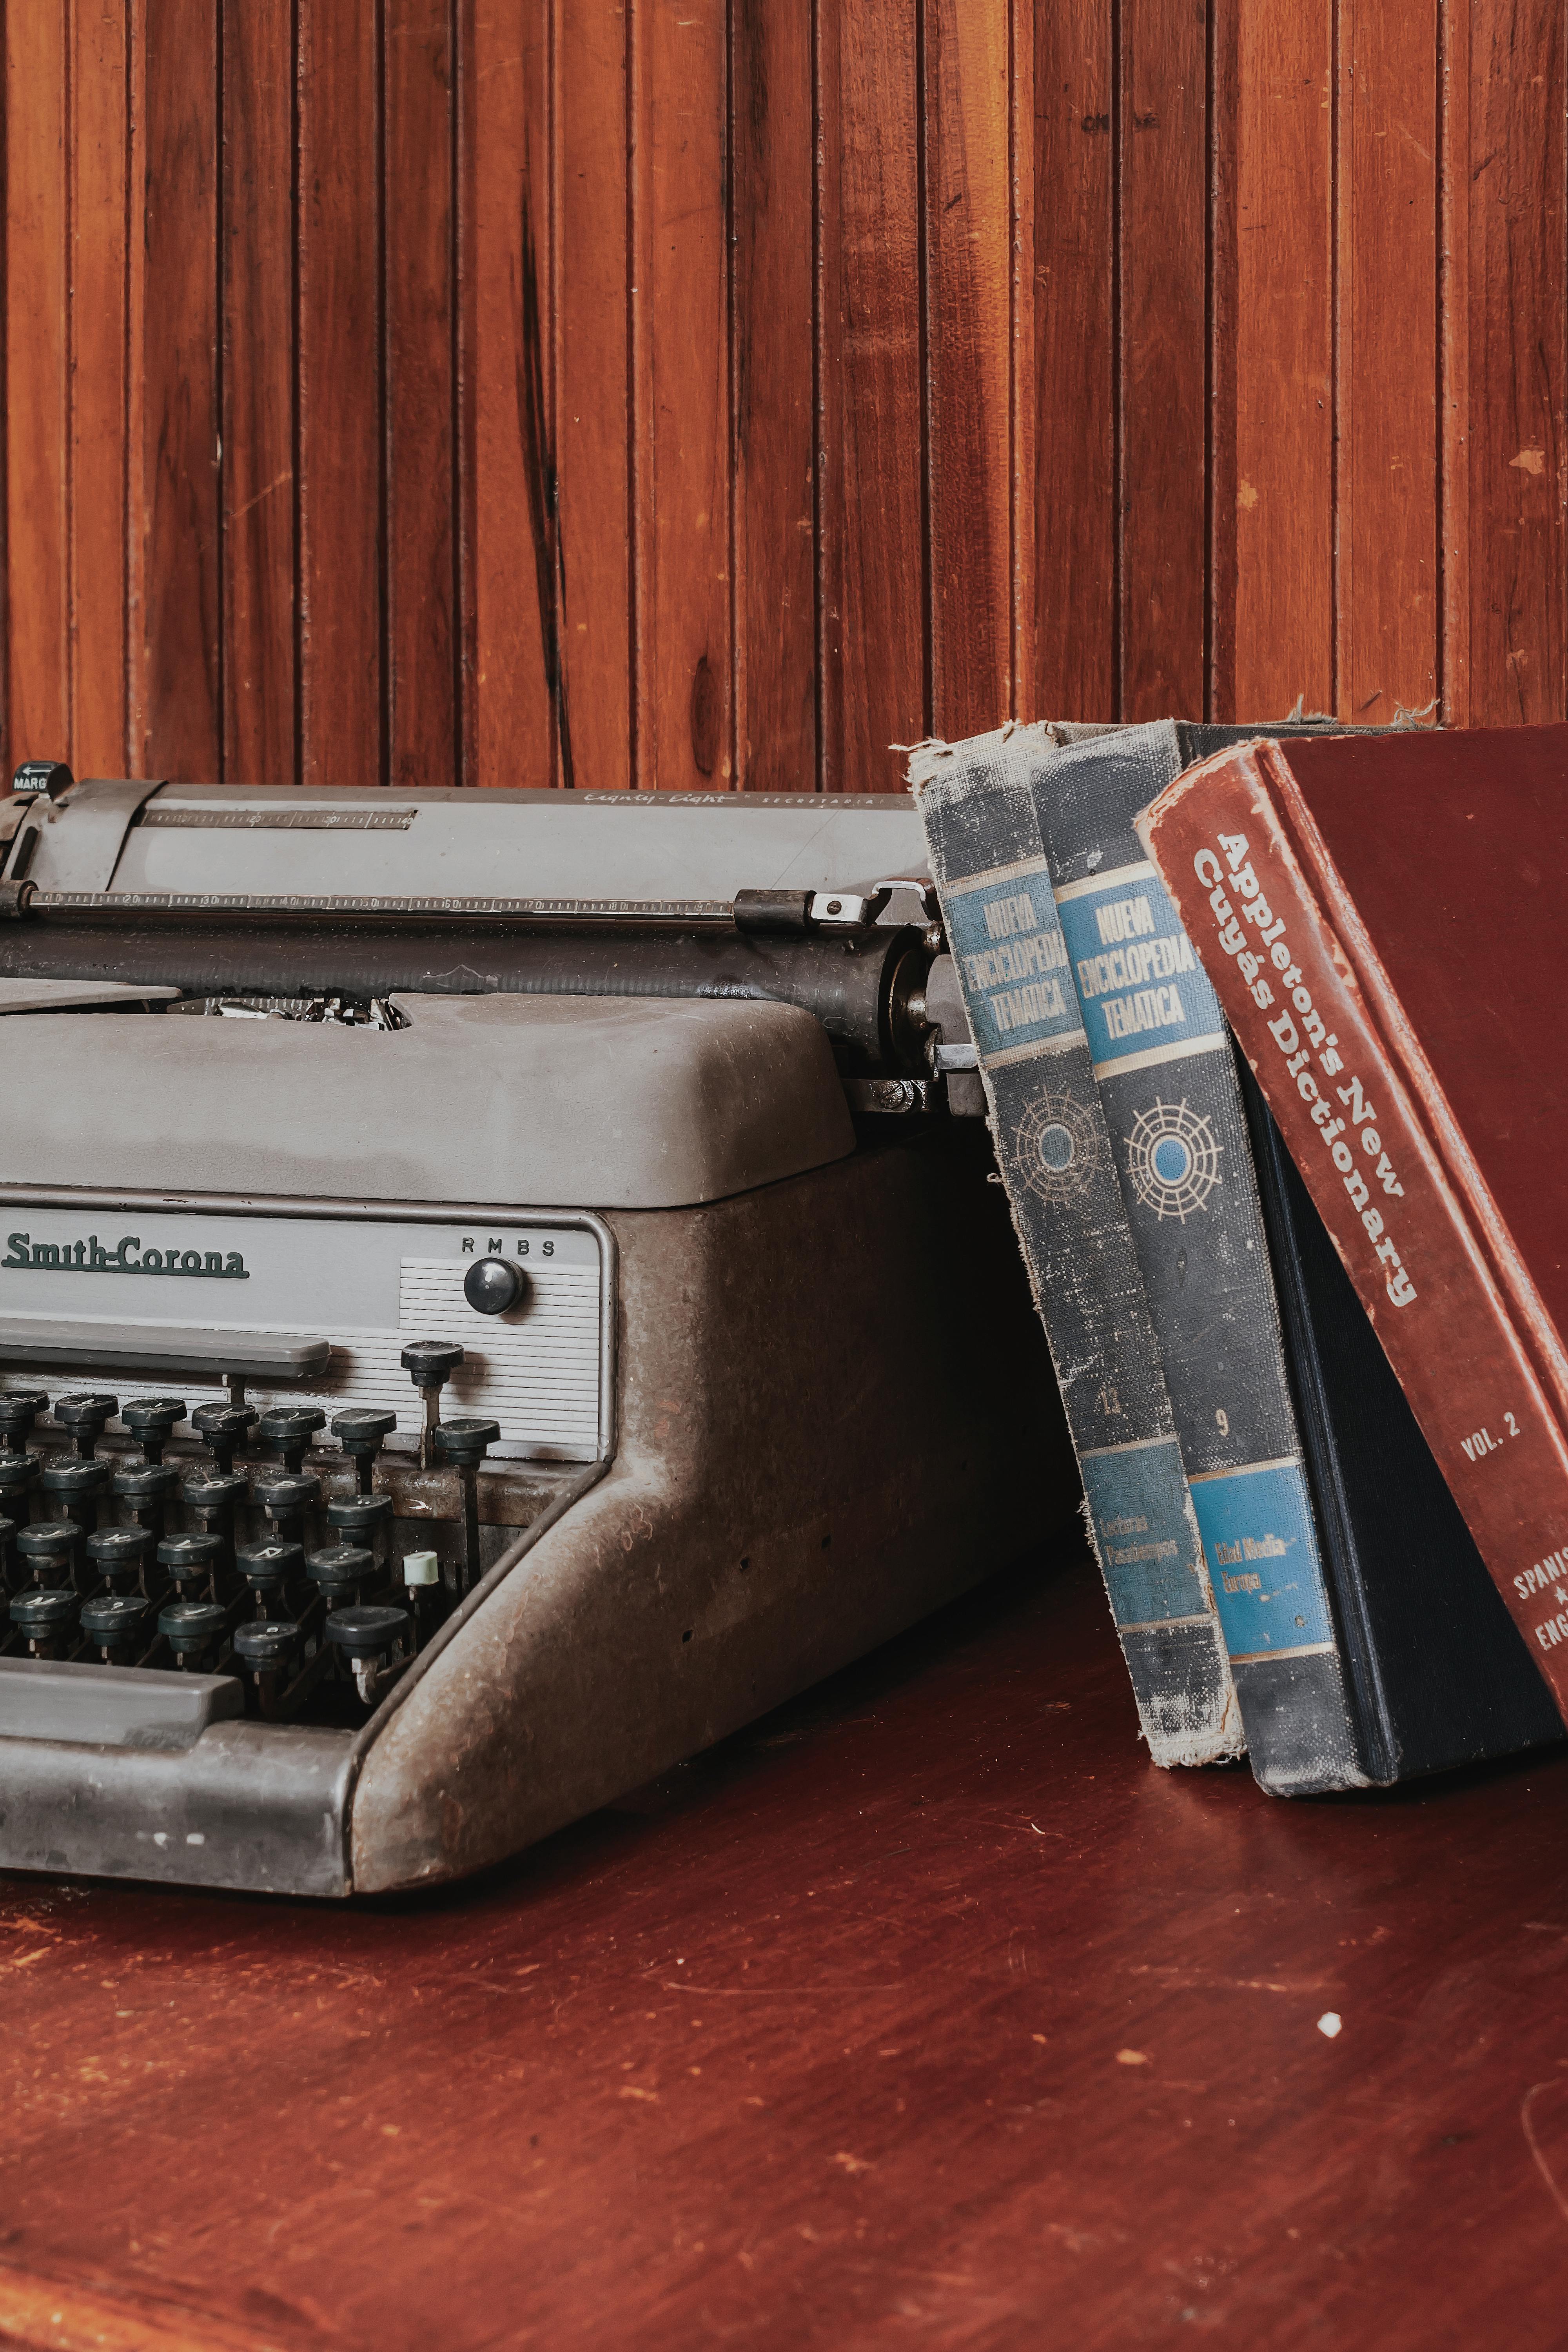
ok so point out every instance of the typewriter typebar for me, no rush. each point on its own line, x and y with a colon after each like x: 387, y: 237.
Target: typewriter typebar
x: 497, y: 1291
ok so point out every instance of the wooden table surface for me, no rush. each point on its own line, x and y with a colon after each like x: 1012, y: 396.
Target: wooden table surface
x: 925, y: 2013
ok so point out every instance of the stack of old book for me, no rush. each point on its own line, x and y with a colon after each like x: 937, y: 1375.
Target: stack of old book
x: 1265, y: 1022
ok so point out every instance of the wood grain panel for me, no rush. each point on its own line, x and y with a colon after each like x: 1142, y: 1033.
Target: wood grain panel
x: 177, y: 651
x: 874, y: 521
x: 611, y: 394
x: 521, y: 730
x: 1516, y: 329
x: 38, y: 372
x: 593, y: 363
x: 1161, y: 139
x: 774, y: 557
x: 968, y: 237
x: 1282, y: 518
x: 1075, y: 581
x: 98, y: 422
x: 1386, y: 591
x: 419, y: 164
x: 683, y: 518
x: 339, y: 332
x: 257, y: 378
x: 1454, y: 358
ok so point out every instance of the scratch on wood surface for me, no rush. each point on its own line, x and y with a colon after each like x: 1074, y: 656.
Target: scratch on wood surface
x: 1534, y: 2145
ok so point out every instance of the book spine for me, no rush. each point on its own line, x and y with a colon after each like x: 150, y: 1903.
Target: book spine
x: 1341, y: 1100
x: 994, y: 885
x: 1162, y: 1060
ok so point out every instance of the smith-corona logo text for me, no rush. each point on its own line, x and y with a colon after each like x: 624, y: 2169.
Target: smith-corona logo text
x: 23, y: 1254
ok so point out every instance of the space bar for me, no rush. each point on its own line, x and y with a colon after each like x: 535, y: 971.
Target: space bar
x: 43, y: 1345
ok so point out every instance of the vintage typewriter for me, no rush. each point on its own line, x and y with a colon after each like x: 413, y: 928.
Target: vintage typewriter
x: 496, y: 1290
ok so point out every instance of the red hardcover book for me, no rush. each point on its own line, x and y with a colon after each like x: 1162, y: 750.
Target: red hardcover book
x: 1381, y: 919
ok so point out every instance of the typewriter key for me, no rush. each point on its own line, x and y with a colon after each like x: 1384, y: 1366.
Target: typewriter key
x: 429, y: 1364
x: 268, y: 1569
x: 290, y: 1429
x: 368, y: 1638
x: 422, y: 1592
x: 192, y: 1629
x: 265, y: 1644
x: 19, y: 1476
x: 115, y: 1625
x: 46, y: 1618
x: 189, y: 1561
x: 266, y: 1648
x: 80, y: 1486
x: 85, y: 1414
x: 150, y: 1421
x: 341, y: 1570
x: 362, y: 1436
x: 286, y: 1499
x: 213, y: 1497
x: 226, y: 1427
x: 357, y: 1519
x: 119, y: 1555
x: 465, y: 1443
x: 18, y: 1412
x: 8, y: 1551
x: 147, y: 1488
x: 46, y: 1550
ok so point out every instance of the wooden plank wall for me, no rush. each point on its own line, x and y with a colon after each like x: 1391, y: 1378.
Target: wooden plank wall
x: 557, y: 391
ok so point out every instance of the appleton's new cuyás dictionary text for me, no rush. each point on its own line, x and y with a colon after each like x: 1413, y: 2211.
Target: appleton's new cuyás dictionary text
x: 1381, y: 920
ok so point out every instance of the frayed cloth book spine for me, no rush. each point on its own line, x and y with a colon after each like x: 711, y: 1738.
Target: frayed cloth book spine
x: 1162, y: 1062
x: 992, y: 881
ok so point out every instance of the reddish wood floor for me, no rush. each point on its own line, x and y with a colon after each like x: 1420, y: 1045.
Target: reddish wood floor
x: 926, y: 2014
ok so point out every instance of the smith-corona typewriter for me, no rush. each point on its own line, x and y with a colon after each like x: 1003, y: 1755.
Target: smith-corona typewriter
x: 496, y: 1290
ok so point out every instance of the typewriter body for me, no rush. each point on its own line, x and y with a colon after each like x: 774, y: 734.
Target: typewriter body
x: 496, y: 1290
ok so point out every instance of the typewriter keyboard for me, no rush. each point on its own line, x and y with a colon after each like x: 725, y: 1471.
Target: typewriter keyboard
x: 291, y: 1550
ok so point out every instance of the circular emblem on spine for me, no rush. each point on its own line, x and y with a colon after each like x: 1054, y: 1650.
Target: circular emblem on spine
x: 1058, y: 1148
x: 1172, y: 1160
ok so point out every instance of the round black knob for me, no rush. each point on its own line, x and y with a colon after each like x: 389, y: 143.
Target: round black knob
x: 463, y: 1442
x: 40, y: 1614
x: 494, y: 1285
x: 18, y: 1412
x: 267, y: 1568
x: 189, y: 1558
x: 265, y: 1644
x: 19, y: 1476
x: 113, y: 1623
x: 291, y: 1428
x: 340, y: 1568
x: 429, y: 1364
x: 363, y: 1432
x: 117, y: 1553
x: 84, y: 1414
x: 367, y: 1632
x: 192, y: 1627
x: 150, y: 1421
x: 359, y: 1516
x: 225, y: 1428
